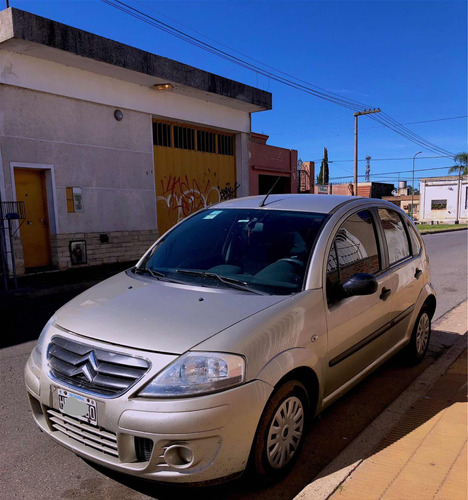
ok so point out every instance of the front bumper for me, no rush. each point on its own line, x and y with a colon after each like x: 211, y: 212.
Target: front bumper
x: 186, y: 440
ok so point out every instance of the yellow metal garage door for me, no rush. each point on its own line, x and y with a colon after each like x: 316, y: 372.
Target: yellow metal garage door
x: 193, y: 168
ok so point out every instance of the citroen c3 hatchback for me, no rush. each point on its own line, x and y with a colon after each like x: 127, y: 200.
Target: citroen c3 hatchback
x: 238, y: 324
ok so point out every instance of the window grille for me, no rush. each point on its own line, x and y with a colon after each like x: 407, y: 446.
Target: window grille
x: 438, y: 204
x: 184, y: 138
x: 206, y: 141
x: 162, y: 134
x: 226, y: 145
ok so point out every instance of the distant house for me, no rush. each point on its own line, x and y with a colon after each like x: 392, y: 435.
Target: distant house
x: 404, y: 202
x: 444, y: 199
x: 108, y: 146
x: 270, y: 165
x: 365, y: 189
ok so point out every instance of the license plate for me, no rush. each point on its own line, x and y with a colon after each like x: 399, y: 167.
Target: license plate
x: 77, y: 406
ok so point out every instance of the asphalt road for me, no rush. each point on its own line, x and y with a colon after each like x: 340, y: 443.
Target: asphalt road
x: 449, y: 261
x: 32, y: 466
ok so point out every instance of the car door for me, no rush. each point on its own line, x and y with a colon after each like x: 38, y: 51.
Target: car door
x: 405, y: 267
x: 355, y: 324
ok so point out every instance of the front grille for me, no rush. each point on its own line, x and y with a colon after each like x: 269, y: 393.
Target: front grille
x: 98, y: 371
x: 94, y: 437
x: 143, y: 449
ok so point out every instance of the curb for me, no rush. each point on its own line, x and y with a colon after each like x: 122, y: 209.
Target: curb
x: 428, y: 231
x: 337, y: 471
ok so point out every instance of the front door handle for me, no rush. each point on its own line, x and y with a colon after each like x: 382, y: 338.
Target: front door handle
x: 418, y: 273
x: 385, y: 293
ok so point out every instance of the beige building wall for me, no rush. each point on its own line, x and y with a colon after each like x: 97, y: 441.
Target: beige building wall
x: 81, y: 144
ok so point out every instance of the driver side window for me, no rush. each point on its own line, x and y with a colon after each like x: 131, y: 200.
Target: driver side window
x: 354, y: 250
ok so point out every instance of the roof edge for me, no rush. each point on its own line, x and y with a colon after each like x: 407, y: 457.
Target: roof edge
x: 22, y: 25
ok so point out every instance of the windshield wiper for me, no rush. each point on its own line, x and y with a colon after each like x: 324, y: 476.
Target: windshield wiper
x: 232, y: 282
x: 146, y: 270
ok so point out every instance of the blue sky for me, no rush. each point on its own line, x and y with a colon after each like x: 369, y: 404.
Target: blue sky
x: 408, y: 58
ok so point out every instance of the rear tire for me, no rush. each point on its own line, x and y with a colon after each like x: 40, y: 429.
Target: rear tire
x: 280, y: 433
x: 419, y: 342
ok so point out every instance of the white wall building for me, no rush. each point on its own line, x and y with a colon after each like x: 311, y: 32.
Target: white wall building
x: 108, y: 145
x: 444, y: 199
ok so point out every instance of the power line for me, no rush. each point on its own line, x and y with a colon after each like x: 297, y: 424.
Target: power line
x: 388, y: 174
x: 406, y: 123
x: 386, y: 159
x: 308, y: 88
x: 438, y: 119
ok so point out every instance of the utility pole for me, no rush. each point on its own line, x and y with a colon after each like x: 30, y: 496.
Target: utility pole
x: 457, y: 221
x: 359, y: 113
x: 7, y: 6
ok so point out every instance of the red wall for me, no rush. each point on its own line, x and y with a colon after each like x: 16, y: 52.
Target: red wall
x: 270, y: 160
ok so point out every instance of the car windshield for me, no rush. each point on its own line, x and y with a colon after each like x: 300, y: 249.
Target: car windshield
x: 256, y: 250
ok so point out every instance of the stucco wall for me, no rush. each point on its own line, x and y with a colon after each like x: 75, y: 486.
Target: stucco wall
x: 444, y: 190
x: 24, y: 71
x: 110, y: 161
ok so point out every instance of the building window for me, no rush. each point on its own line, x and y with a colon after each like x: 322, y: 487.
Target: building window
x: 225, y: 145
x: 206, y: 141
x: 466, y: 198
x: 438, y: 204
x: 162, y: 134
x: 184, y: 138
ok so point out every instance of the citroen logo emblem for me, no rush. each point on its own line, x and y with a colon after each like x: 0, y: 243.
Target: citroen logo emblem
x: 87, y: 365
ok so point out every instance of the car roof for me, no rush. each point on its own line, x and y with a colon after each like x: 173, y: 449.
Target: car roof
x: 316, y: 203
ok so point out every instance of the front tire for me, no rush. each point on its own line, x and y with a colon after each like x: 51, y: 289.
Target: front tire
x: 281, y: 432
x: 420, y: 337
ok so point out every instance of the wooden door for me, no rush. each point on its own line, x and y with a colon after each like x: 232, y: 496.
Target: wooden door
x: 30, y: 188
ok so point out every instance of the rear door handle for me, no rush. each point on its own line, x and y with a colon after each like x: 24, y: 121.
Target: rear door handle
x: 418, y: 273
x: 385, y: 293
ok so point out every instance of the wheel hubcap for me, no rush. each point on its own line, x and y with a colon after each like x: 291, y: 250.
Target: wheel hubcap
x: 285, y: 433
x: 422, y: 333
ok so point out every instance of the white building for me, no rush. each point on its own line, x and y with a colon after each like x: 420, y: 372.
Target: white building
x: 444, y: 199
x: 108, y: 145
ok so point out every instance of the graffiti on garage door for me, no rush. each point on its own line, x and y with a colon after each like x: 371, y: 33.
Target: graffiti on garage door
x: 193, y: 169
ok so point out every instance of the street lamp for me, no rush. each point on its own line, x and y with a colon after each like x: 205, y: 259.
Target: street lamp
x: 412, y: 187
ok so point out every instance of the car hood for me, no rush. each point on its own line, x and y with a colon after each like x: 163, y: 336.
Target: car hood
x: 155, y: 315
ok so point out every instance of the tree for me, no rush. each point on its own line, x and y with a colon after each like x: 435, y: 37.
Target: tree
x: 323, y: 176
x: 461, y: 159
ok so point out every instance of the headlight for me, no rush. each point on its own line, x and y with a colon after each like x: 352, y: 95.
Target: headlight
x: 197, y: 373
x: 36, y: 354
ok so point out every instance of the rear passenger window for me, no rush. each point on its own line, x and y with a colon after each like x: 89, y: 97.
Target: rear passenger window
x: 395, y: 235
x: 354, y: 250
x: 415, y: 244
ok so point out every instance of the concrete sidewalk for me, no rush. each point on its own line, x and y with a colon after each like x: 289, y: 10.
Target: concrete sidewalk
x: 417, y: 448
x: 425, y: 455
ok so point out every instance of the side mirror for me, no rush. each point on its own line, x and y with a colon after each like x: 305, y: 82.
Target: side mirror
x: 360, y: 284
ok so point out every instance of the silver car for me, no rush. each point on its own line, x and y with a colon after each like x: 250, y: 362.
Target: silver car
x: 237, y: 326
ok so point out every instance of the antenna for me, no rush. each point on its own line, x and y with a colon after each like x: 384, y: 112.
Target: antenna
x: 262, y: 204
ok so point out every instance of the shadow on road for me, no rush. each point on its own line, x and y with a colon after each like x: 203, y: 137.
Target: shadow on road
x: 327, y: 436
x: 25, y: 311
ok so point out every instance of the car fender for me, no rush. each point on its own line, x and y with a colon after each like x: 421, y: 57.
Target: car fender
x: 426, y: 292
x: 286, y: 362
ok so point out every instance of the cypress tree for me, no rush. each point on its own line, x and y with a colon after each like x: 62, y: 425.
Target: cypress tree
x: 323, y: 176
x: 325, y: 166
